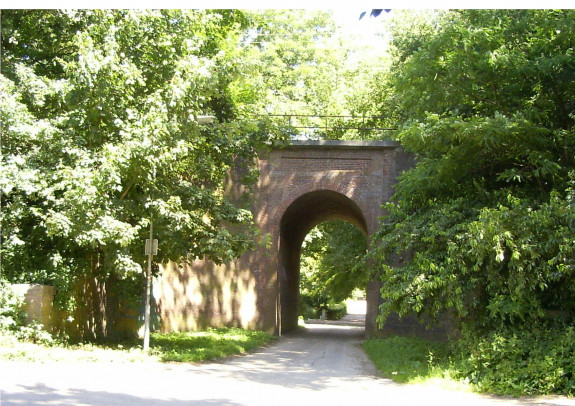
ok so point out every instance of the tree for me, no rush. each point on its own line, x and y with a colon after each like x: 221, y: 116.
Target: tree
x: 302, y: 68
x: 329, y: 265
x: 486, y: 218
x: 101, y: 134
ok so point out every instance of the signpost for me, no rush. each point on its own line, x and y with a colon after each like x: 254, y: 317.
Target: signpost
x: 150, y: 250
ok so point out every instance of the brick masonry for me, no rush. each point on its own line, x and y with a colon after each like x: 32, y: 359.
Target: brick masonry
x: 300, y: 186
x: 38, y: 303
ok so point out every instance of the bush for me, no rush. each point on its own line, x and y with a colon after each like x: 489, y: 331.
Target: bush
x: 520, y: 361
x: 11, y: 308
x: 336, y: 311
x: 308, y: 312
x: 510, y: 361
x: 310, y: 307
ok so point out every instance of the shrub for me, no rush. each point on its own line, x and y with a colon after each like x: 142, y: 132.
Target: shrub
x: 11, y: 308
x: 520, y: 361
x: 311, y: 307
x: 336, y: 311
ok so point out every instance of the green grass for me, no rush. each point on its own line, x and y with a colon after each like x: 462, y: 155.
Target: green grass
x: 206, y: 345
x: 175, y: 347
x: 413, y: 360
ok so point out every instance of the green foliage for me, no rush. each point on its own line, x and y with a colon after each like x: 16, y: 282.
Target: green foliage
x: 526, y: 361
x: 316, y: 307
x: 329, y: 268
x: 295, y: 68
x: 480, y: 62
x: 304, y: 67
x: 507, y: 264
x: 206, y: 345
x: 484, y: 222
x: 483, y: 227
x: 101, y: 134
x: 11, y: 308
x: 101, y: 137
x: 330, y: 254
x: 508, y: 361
x: 336, y: 311
x: 13, y: 318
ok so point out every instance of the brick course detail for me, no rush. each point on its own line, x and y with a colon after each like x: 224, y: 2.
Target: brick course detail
x: 300, y: 186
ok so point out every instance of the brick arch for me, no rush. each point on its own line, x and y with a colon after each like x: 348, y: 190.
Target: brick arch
x: 300, y: 185
x: 315, y: 205
x: 302, y: 214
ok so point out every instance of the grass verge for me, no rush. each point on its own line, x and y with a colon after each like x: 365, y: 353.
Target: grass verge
x: 175, y: 347
x: 206, y: 345
x: 414, y: 360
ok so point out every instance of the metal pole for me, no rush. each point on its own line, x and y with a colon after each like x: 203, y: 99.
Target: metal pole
x: 148, y: 291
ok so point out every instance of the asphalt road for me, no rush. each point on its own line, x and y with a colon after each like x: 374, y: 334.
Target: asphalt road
x: 324, y: 365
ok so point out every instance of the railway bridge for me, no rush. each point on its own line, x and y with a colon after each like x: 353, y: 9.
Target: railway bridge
x: 300, y: 185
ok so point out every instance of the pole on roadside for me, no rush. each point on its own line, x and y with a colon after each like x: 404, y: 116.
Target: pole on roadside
x: 151, y: 250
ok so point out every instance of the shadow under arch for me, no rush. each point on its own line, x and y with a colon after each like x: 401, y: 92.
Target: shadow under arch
x: 304, y: 213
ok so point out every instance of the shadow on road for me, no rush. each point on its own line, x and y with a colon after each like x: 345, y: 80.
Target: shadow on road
x: 322, y: 363
x: 310, y: 358
x: 40, y: 394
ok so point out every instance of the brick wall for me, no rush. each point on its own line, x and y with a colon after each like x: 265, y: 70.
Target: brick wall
x: 38, y: 303
x: 300, y: 186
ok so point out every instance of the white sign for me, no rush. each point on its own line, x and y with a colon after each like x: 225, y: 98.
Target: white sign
x: 151, y: 249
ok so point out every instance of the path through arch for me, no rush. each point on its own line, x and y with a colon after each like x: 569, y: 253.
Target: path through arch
x: 304, y: 213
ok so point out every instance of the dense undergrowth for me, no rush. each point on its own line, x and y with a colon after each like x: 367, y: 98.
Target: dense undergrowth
x: 506, y: 362
x: 528, y: 361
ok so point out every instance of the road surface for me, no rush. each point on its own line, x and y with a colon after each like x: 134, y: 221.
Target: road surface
x: 323, y: 365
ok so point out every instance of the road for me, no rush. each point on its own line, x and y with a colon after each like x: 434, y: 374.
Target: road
x: 323, y: 365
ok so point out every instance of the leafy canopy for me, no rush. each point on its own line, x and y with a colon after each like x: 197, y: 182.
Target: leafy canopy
x: 101, y: 135
x: 485, y: 222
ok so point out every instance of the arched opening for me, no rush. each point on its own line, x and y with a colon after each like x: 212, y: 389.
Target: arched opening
x: 300, y: 217
x: 333, y: 278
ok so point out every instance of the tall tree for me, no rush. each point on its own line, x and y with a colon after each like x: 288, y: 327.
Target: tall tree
x: 486, y: 218
x: 302, y: 68
x: 101, y: 135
